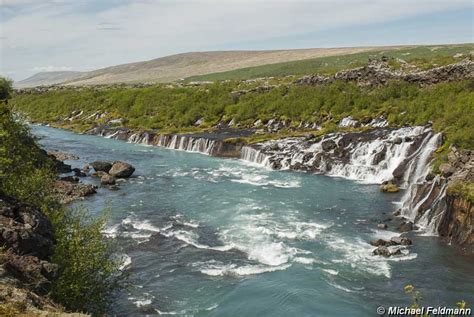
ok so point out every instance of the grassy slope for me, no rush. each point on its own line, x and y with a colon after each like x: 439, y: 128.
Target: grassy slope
x: 422, y: 57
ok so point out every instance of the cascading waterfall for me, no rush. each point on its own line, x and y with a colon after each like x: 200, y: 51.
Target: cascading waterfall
x: 367, y: 158
x: 370, y: 160
x: 253, y: 155
x: 175, y: 142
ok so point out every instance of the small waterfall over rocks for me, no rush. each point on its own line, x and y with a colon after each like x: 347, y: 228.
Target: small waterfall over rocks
x: 190, y: 143
x: 374, y: 157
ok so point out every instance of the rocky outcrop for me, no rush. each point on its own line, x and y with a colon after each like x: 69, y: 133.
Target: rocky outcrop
x: 458, y: 222
x: 69, y: 191
x: 24, y: 230
x: 442, y: 204
x: 378, y: 72
x: 26, y: 241
x: 62, y: 156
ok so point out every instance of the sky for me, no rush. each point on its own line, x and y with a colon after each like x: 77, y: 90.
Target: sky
x: 82, y: 35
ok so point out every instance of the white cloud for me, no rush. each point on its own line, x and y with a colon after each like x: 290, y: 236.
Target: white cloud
x: 65, y: 32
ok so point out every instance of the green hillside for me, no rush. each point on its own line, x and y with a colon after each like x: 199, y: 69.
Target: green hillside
x: 423, y: 57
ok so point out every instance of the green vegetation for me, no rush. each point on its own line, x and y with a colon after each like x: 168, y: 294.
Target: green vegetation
x: 89, y: 273
x: 462, y: 190
x: 5, y: 89
x: 416, y: 298
x: 450, y: 106
x: 424, y: 57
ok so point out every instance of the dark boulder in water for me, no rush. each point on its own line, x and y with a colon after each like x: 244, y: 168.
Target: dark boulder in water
x: 101, y: 166
x: 401, y: 241
x: 121, y: 170
x: 383, y: 251
x: 406, y: 226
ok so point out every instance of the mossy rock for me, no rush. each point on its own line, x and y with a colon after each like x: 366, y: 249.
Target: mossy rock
x: 389, y: 188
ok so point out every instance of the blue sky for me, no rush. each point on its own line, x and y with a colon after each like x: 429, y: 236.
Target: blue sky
x: 49, y: 35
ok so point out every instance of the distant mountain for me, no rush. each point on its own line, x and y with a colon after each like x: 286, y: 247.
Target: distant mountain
x: 47, y: 78
x: 180, y: 66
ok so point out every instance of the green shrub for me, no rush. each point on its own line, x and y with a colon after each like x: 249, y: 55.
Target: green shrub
x: 89, y: 271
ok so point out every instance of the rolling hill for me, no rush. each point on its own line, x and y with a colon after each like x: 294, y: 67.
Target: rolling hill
x: 222, y: 65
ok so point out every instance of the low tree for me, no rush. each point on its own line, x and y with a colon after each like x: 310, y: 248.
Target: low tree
x: 6, y: 89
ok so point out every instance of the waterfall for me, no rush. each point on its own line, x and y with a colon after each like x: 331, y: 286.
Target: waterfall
x: 369, y: 157
x: 432, y: 217
x: 186, y: 143
x: 416, y: 174
x: 401, y: 155
x: 253, y: 155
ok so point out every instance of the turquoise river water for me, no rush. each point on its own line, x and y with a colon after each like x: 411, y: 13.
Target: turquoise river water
x: 205, y: 236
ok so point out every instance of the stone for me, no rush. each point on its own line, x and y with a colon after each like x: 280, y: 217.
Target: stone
x: 31, y: 270
x: 328, y: 145
x: 389, y: 188
x: 382, y: 226
x: 396, y: 252
x: 379, y: 242
x: 406, y: 226
x: 397, y: 140
x: 379, y: 157
x: 24, y: 229
x: 121, y: 170
x: 446, y: 169
x: 98, y: 174
x: 101, y: 166
x: 382, y: 251
x: 401, y: 241
x: 69, y: 192
x: 62, y: 156
x: 107, y: 180
x: 72, y: 179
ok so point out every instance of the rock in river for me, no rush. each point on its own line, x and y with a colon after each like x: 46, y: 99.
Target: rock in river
x: 107, y: 180
x: 101, y: 166
x: 121, y: 170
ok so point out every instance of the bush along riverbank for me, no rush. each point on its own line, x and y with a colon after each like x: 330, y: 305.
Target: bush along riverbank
x: 53, y: 259
x: 408, y: 130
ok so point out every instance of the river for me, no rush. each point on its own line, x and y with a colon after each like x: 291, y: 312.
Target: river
x: 206, y: 236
